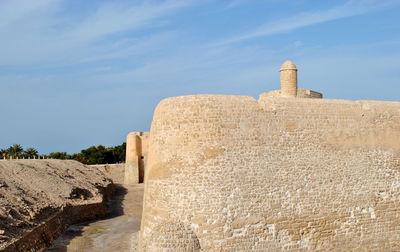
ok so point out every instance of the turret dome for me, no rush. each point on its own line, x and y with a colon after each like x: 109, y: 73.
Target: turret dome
x: 288, y: 65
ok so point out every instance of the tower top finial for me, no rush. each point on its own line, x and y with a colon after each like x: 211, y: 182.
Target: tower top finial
x: 288, y: 65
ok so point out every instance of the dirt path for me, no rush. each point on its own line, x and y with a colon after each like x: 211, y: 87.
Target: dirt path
x: 111, y: 234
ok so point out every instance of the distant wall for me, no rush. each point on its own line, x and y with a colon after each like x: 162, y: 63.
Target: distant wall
x: 136, y: 157
x: 301, y: 93
x: 116, y: 172
x: 229, y: 173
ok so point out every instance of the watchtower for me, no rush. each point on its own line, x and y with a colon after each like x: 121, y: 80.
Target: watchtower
x: 289, y: 79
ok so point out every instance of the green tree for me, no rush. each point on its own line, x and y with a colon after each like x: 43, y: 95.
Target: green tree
x: 59, y: 155
x: 78, y: 157
x: 119, y: 153
x: 15, y: 150
x: 2, y: 151
x: 95, y: 155
x: 30, y: 153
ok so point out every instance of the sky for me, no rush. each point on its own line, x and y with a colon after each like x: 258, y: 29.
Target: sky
x: 79, y: 73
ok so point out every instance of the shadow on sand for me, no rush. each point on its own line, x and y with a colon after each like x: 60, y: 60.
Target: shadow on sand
x: 64, y: 244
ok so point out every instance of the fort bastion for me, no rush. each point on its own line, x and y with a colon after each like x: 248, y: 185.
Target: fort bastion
x: 230, y: 173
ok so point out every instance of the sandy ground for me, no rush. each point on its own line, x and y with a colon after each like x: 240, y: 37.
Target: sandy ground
x: 33, y: 190
x: 111, y: 234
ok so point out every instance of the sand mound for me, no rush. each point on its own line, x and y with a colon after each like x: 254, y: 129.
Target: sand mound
x: 32, y: 191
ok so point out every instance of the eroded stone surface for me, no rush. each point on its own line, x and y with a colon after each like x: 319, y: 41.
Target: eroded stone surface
x: 136, y: 157
x: 277, y: 174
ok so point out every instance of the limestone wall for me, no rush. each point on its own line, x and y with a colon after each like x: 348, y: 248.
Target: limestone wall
x: 301, y: 93
x: 289, y: 83
x: 305, y: 93
x: 136, y: 157
x: 288, y: 74
x: 132, y: 159
x: 228, y: 173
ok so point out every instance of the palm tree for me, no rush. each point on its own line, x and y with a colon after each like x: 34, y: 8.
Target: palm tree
x: 30, y: 152
x: 3, y: 152
x: 15, y: 150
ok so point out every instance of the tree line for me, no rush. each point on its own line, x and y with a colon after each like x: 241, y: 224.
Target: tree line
x: 92, y: 155
x: 16, y: 151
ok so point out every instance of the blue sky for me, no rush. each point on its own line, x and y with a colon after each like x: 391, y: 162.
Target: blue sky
x: 79, y: 73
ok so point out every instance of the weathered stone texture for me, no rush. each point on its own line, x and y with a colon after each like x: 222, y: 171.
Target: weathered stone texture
x: 289, y: 84
x: 301, y: 93
x: 288, y: 79
x: 136, y: 157
x: 235, y: 174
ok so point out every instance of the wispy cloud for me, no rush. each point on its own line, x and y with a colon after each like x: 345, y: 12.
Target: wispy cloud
x: 126, y: 47
x: 12, y: 11
x: 39, y: 33
x: 112, y: 18
x: 235, y: 3
x: 350, y: 8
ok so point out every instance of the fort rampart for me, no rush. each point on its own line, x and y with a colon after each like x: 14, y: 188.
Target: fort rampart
x: 229, y: 173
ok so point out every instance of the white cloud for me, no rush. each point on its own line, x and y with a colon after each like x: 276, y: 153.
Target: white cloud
x: 235, y: 3
x: 12, y: 10
x: 42, y: 32
x: 124, y: 48
x: 112, y: 18
x: 350, y: 8
x: 297, y: 43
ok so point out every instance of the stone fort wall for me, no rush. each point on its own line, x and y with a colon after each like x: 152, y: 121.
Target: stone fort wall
x: 228, y: 173
x: 136, y: 157
x: 301, y: 93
